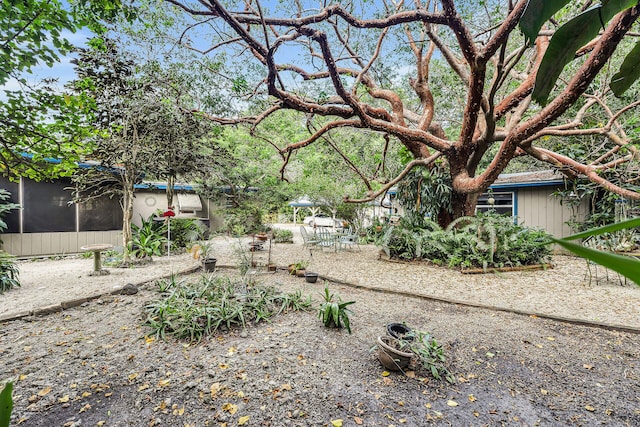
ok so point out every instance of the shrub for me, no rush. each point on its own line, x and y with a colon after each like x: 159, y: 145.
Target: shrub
x: 8, y: 272
x: 147, y: 240
x: 193, y: 310
x: 185, y: 231
x: 486, y: 240
x: 282, y: 236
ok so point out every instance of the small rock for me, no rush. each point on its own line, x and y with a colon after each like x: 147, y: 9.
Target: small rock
x: 129, y: 289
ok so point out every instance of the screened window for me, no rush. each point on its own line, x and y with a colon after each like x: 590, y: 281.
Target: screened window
x: 12, y: 218
x: 102, y: 214
x: 501, y: 203
x: 47, y: 207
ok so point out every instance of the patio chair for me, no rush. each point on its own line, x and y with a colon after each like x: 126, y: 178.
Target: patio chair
x: 306, y: 239
x: 348, y: 239
x: 325, y: 239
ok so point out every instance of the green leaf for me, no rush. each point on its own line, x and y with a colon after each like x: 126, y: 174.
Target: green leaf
x: 622, y: 225
x: 625, y: 265
x: 568, y: 39
x: 6, y: 404
x: 628, y: 73
x: 535, y: 15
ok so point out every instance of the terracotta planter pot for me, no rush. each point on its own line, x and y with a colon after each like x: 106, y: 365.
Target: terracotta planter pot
x: 389, y: 356
x: 300, y: 273
x: 292, y: 269
x: 272, y: 267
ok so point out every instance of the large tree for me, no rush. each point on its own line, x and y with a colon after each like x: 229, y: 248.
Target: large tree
x: 341, y: 64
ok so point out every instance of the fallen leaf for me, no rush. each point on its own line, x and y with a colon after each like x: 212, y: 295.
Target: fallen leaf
x: 149, y: 339
x: 164, y: 383
x: 336, y: 423
x: 230, y: 408
x: 385, y: 373
x: 64, y: 399
x: 84, y: 408
x: 551, y: 338
x: 400, y: 403
x: 86, y: 394
x: 133, y: 376
x: 44, y: 391
x: 452, y: 403
x: 143, y: 387
x: 358, y: 420
x: 589, y: 408
x: 285, y: 387
x: 223, y: 366
x: 243, y: 420
x: 490, y: 355
x: 543, y: 391
x: 22, y: 377
x: 100, y: 423
x: 27, y: 348
x: 472, y: 398
x: 585, y: 366
x: 215, y: 388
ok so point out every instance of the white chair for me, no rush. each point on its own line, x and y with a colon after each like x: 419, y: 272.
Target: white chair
x: 306, y: 239
x: 348, y: 240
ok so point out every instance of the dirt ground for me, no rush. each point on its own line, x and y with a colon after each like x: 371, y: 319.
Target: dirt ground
x: 95, y: 365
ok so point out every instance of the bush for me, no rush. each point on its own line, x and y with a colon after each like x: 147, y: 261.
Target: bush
x: 148, y: 239
x: 8, y: 272
x: 486, y: 240
x: 282, y: 236
x: 185, y: 231
x: 243, y: 220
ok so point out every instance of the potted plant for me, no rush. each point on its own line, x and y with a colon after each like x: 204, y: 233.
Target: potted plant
x: 396, y: 353
x: 334, y: 313
x: 208, y: 261
x: 393, y: 354
x: 298, y: 267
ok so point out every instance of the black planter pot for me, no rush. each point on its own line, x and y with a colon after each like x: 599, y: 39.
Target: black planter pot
x: 209, y: 264
x: 399, y: 330
x: 311, y: 277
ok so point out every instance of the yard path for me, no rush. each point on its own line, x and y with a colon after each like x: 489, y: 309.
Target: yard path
x: 572, y: 290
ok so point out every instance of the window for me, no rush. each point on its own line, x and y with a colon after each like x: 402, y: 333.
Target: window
x: 47, y: 207
x: 502, y: 203
x: 102, y: 214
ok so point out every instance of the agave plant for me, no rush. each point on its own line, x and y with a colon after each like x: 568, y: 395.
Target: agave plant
x: 334, y: 314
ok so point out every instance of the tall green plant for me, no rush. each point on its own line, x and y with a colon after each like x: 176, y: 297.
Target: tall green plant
x: 148, y: 238
x: 9, y: 272
x: 6, y: 404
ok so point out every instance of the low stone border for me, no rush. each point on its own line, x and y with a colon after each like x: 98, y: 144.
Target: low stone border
x: 65, y: 305
x: 601, y: 325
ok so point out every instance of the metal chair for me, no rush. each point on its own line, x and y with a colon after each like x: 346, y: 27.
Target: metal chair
x: 348, y: 240
x: 306, y: 239
x: 325, y: 239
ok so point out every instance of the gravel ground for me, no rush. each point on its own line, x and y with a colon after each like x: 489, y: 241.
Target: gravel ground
x: 95, y: 365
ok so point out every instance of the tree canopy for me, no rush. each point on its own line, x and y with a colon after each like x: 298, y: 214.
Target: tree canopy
x: 517, y: 73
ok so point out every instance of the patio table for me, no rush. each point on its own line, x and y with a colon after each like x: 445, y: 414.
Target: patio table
x: 97, y: 248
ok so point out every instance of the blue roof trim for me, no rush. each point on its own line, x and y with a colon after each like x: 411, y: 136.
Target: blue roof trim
x: 178, y: 187
x: 511, y: 185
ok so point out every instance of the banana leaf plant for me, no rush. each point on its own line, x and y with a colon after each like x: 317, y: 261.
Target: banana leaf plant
x: 570, y: 38
x: 6, y: 404
x: 628, y: 266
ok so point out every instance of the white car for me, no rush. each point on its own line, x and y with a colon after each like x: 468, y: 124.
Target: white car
x: 322, y: 220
